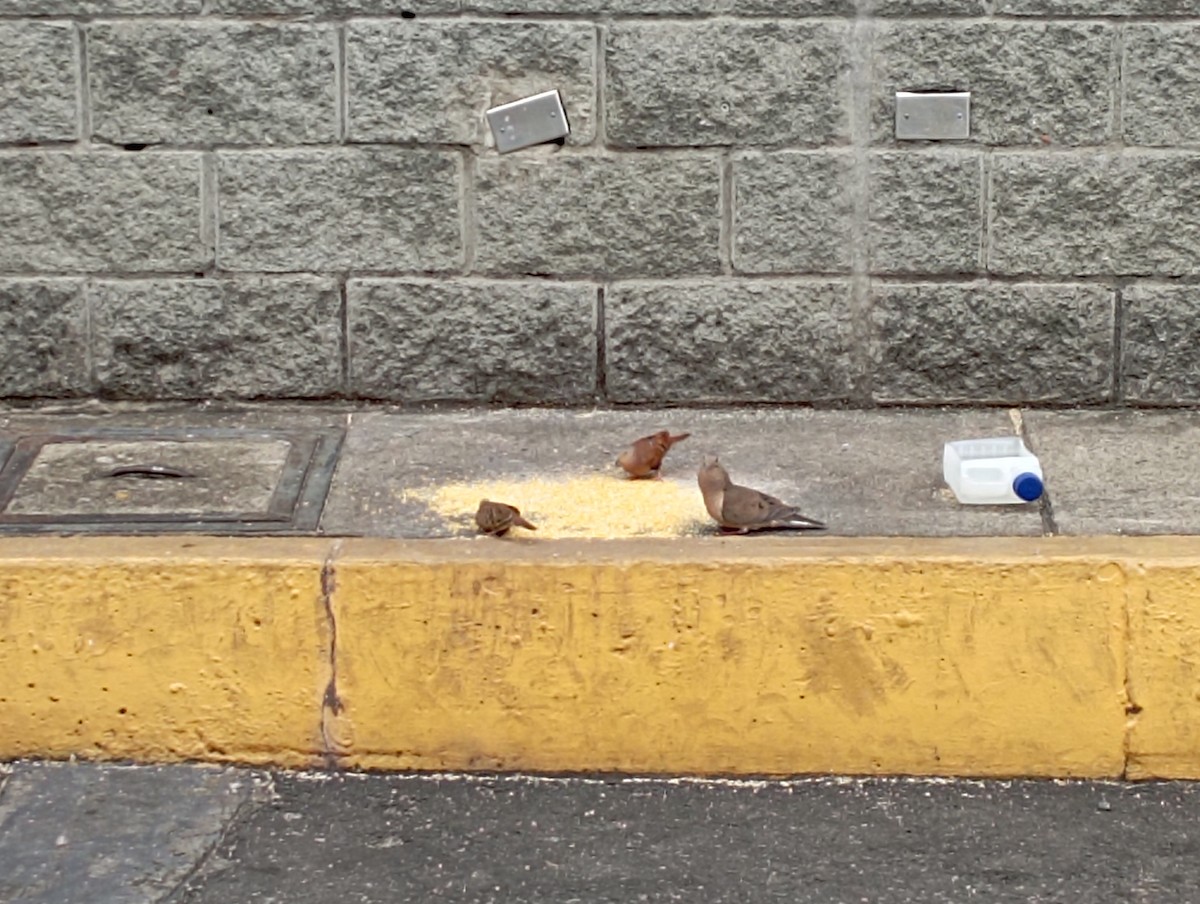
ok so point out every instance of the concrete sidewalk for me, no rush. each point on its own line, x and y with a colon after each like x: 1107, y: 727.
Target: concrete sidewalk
x: 868, y: 473
x: 917, y: 637
x: 91, y: 834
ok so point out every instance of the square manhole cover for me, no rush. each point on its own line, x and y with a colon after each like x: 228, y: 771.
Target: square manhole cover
x: 218, y: 480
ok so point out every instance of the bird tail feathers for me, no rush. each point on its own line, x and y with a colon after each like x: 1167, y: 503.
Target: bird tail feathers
x: 796, y: 521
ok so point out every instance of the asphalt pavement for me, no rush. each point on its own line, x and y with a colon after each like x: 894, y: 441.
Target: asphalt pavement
x: 105, y: 834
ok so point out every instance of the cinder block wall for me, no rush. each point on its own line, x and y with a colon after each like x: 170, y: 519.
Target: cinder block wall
x: 299, y: 198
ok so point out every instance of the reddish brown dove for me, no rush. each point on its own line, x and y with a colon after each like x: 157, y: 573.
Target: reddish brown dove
x: 495, y: 518
x: 645, y: 456
x: 741, y: 509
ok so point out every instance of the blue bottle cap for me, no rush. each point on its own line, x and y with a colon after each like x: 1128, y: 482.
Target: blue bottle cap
x: 1027, y: 486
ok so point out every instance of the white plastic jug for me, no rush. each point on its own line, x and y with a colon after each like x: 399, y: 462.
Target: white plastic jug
x: 996, y: 471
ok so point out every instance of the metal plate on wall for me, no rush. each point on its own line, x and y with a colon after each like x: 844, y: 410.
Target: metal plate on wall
x: 131, y: 480
x: 528, y: 121
x: 933, y: 116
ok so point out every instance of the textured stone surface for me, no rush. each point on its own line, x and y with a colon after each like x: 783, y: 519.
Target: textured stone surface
x: 203, y: 338
x: 605, y: 217
x: 1095, y: 214
x: 669, y: 7
x: 38, y: 91
x: 472, y: 340
x: 335, y: 7
x: 1162, y: 84
x: 774, y: 86
x: 1162, y: 334
x: 376, y: 209
x: 777, y: 341
x: 926, y: 212
x: 100, y: 212
x: 431, y: 81
x: 792, y: 212
x: 1030, y: 83
x: 199, y: 82
x: 929, y: 7
x: 43, y: 322
x: 111, y: 834
x: 992, y: 343
x: 98, y: 7
x: 1097, y: 7
x: 761, y: 82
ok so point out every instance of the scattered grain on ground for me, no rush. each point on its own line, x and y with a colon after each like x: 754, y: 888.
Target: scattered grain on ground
x: 591, y: 506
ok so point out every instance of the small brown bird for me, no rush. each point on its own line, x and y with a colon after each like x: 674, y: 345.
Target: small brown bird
x: 741, y: 509
x: 495, y: 518
x: 645, y: 456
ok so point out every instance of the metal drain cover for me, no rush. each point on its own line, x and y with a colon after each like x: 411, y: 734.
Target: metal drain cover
x: 128, y: 480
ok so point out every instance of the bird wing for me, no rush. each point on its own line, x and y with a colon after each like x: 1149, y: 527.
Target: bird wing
x: 494, y: 517
x: 748, y: 508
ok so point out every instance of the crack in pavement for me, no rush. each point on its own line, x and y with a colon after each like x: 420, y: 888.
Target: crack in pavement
x: 331, y: 703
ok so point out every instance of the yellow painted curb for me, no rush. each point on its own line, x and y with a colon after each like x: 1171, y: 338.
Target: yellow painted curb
x: 163, y: 649
x: 1046, y: 657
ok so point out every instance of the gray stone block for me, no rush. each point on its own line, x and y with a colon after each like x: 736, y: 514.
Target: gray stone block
x: 601, y: 217
x: 1097, y: 7
x: 44, y: 349
x: 201, y: 82
x: 1162, y: 333
x: 38, y: 92
x: 1095, y: 214
x: 109, y: 212
x: 1161, y: 105
x: 99, y: 7
x: 992, y: 343
x: 334, y: 7
x: 668, y: 7
x: 926, y: 212
x: 360, y: 209
x: 792, y: 212
x: 929, y: 8
x: 431, y: 81
x: 729, y: 341
x: 757, y: 82
x: 472, y: 340
x: 1030, y: 83
x: 196, y: 339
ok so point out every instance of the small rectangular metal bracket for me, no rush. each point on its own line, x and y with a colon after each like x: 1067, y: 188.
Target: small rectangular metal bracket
x: 929, y: 116
x: 529, y: 121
